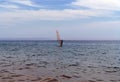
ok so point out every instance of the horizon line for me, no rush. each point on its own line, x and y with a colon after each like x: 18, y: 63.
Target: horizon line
x: 56, y: 40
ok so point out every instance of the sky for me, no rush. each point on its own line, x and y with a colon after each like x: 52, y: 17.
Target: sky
x: 74, y: 19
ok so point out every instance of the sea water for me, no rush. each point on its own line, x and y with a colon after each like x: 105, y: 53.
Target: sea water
x: 46, y: 56
x: 98, y: 53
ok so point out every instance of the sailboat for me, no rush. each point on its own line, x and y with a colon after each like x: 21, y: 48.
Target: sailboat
x: 59, y: 39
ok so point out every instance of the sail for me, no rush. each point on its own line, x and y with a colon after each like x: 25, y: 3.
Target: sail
x: 58, y: 36
x: 59, y: 39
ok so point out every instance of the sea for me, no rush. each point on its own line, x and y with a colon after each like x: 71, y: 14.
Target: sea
x: 85, y: 52
x: 46, y: 58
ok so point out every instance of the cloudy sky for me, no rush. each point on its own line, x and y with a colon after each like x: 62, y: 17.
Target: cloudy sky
x: 74, y: 19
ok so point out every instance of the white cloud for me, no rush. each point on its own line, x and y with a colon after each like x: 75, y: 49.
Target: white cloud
x: 24, y: 2
x: 9, y: 6
x: 15, y: 4
x: 98, y: 4
x: 67, y: 14
x: 96, y: 10
x: 46, y: 14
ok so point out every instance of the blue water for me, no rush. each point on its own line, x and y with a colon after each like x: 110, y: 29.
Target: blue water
x: 73, y: 53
